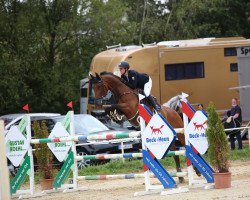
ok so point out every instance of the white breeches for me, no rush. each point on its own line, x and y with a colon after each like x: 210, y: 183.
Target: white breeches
x: 147, y: 87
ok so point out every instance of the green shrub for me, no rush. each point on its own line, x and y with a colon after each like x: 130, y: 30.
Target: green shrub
x: 42, y: 153
x: 218, y: 151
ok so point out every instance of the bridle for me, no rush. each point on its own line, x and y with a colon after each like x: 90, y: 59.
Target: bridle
x: 104, y: 89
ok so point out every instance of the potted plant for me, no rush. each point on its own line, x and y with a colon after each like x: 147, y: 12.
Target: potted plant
x: 218, y: 151
x: 43, y: 156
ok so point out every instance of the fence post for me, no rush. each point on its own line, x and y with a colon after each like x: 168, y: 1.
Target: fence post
x: 4, y: 174
x: 122, y: 150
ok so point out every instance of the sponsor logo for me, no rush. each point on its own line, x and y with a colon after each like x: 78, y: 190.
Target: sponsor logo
x: 199, y: 126
x: 156, y: 130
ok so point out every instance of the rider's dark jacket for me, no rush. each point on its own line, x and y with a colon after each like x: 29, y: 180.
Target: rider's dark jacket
x: 135, y: 80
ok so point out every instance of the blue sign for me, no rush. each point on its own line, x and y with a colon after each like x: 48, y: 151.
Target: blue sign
x: 200, y: 164
x: 162, y: 175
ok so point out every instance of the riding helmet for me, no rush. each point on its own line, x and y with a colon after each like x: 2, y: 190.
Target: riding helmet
x: 123, y: 64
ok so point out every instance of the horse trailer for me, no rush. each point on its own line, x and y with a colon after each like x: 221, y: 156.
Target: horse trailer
x: 204, y: 68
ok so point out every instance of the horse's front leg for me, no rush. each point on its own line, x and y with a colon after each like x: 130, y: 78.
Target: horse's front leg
x: 121, y: 107
x: 115, y: 113
x: 110, y: 109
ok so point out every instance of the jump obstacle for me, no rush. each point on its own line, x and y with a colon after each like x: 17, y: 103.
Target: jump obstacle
x: 71, y: 160
x: 151, y: 162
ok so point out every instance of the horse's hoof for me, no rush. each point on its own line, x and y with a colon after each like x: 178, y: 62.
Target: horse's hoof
x: 198, y: 174
x: 181, y: 180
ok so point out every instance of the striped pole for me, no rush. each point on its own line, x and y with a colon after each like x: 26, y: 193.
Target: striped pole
x: 126, y: 176
x: 133, y: 134
x: 109, y: 156
x: 125, y: 155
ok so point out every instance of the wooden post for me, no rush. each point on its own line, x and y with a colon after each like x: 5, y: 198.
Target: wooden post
x: 4, y: 173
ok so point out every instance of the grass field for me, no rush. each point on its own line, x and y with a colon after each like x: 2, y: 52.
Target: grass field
x: 136, y: 165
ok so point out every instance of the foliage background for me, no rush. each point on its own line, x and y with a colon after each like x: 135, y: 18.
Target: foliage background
x: 46, y: 46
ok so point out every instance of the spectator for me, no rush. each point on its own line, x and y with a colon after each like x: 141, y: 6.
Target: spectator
x: 200, y: 106
x: 235, y: 115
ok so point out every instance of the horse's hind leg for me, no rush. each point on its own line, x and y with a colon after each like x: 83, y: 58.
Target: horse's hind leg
x: 178, y: 167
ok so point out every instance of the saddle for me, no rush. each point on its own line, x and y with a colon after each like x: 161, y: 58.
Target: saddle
x: 150, y: 101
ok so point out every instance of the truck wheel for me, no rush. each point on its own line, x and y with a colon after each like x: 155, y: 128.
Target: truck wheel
x: 83, y: 163
x: 12, y: 169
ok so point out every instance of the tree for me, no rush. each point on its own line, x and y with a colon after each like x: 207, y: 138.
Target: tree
x: 218, y: 151
x: 215, y: 18
x: 46, y: 47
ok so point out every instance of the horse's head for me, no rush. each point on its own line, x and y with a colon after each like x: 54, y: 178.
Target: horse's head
x: 174, y: 103
x: 99, y: 86
x: 178, y: 105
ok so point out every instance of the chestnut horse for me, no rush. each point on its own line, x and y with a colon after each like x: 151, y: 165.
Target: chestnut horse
x: 127, y: 103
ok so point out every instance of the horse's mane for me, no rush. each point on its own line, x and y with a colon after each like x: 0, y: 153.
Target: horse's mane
x: 113, y: 75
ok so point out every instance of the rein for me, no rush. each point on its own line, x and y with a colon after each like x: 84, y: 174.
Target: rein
x: 132, y: 118
x: 125, y: 93
x: 120, y: 96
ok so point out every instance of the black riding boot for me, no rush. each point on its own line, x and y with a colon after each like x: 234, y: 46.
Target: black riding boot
x: 154, y: 103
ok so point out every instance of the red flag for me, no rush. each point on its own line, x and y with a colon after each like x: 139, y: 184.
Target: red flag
x: 70, y: 105
x: 26, y: 107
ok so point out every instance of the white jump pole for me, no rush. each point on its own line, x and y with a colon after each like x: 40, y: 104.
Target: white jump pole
x: 30, y: 153
x: 72, y: 133
x: 185, y: 120
x: 4, y: 174
x: 146, y: 173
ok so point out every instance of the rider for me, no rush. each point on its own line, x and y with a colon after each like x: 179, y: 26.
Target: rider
x: 137, y: 80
